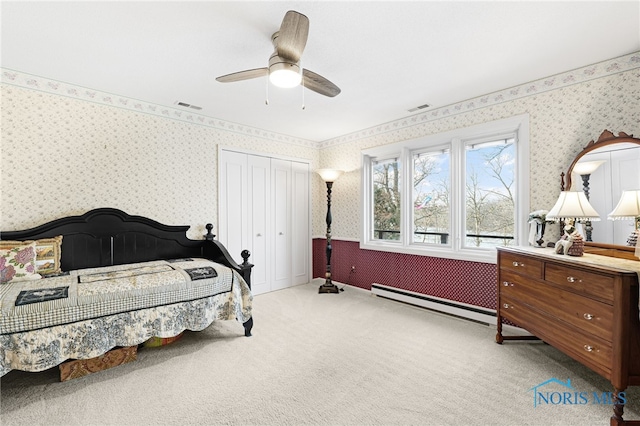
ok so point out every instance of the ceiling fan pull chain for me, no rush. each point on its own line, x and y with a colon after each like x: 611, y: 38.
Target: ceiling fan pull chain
x: 303, y: 105
x: 266, y: 96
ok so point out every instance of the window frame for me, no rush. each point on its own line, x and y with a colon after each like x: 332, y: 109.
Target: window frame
x: 409, y: 188
x: 379, y: 159
x: 517, y: 126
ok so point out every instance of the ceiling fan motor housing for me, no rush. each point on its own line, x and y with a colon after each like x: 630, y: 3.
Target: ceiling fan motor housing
x: 284, y: 73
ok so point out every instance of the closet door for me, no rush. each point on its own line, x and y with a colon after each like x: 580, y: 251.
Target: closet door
x: 264, y: 208
x: 281, y: 208
x: 232, y: 199
x: 259, y: 223
x: 300, y: 223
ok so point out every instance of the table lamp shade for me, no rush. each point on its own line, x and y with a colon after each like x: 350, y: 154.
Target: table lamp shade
x: 574, y: 205
x: 628, y: 207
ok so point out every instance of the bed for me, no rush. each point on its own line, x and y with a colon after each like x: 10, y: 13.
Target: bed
x: 77, y: 287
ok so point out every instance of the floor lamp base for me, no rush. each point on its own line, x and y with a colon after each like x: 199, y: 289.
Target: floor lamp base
x: 328, y: 288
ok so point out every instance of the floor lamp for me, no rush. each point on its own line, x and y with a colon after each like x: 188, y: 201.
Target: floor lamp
x: 584, y: 169
x: 329, y: 176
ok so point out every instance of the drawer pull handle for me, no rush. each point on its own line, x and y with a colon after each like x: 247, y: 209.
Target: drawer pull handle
x: 588, y: 317
x: 589, y: 348
x: 574, y: 280
x: 516, y: 264
x: 507, y: 306
x: 507, y: 284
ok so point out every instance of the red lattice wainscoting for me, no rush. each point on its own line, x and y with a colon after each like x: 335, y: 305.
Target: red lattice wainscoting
x: 467, y: 282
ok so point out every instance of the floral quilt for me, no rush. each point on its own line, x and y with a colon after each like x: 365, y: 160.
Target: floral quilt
x: 44, y: 347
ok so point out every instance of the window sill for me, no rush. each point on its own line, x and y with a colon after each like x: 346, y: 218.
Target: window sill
x: 483, y: 256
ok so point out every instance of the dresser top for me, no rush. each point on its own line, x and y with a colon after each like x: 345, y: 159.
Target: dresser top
x: 588, y: 259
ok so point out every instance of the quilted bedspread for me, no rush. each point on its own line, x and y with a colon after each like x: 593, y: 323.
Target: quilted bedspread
x: 85, y: 313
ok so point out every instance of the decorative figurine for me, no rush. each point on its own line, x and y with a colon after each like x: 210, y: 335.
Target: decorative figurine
x: 537, y: 223
x: 571, y: 243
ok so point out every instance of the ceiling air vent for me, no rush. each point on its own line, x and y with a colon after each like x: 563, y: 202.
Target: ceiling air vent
x: 186, y: 105
x: 418, y: 108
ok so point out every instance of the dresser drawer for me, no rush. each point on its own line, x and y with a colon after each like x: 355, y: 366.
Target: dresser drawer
x: 587, y: 349
x: 587, y: 314
x: 521, y: 264
x: 597, y: 285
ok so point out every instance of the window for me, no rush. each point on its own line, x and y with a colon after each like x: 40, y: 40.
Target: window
x: 458, y: 194
x: 431, y: 196
x: 489, y: 192
x: 386, y: 199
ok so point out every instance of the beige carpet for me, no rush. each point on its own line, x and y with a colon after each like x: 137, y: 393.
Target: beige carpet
x: 351, y: 358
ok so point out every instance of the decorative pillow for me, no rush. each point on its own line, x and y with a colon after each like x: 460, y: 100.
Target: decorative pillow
x: 48, y: 251
x: 18, y: 263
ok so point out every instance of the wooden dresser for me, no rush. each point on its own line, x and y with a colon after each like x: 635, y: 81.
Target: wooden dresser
x: 586, y: 306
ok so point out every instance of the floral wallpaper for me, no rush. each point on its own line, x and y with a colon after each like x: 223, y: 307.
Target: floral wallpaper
x: 62, y: 155
x: 67, y: 149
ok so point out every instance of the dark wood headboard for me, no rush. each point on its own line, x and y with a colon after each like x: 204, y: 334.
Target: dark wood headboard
x: 107, y: 236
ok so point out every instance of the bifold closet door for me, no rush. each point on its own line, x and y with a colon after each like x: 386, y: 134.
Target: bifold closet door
x: 259, y: 220
x: 264, y: 208
x: 300, y: 226
x: 281, y: 220
x: 232, y: 230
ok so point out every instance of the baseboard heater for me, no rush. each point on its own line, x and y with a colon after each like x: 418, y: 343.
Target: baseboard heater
x: 451, y: 307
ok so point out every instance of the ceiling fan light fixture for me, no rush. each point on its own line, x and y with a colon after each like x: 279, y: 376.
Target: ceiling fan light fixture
x: 285, y: 75
x: 284, y: 63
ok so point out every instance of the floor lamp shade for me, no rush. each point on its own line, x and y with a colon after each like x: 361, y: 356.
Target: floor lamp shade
x: 587, y: 167
x: 329, y: 175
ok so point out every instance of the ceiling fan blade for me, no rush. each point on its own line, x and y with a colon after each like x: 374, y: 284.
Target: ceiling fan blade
x: 243, y: 75
x: 292, y: 37
x: 319, y: 84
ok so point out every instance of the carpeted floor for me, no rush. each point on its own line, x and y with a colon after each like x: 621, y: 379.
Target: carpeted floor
x: 351, y: 358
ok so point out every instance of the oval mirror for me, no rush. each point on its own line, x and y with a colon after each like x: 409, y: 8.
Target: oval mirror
x: 603, y: 169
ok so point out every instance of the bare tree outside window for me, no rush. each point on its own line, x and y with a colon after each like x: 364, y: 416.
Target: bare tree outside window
x: 490, y: 203
x: 386, y: 200
x: 431, y: 203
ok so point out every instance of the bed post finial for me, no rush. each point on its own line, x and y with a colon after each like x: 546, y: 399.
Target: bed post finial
x: 246, y: 266
x: 245, y: 256
x: 209, y: 236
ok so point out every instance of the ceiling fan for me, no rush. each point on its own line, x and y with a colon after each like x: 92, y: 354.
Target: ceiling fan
x: 284, y: 64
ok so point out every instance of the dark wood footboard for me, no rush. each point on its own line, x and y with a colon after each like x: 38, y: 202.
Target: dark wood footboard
x: 217, y: 252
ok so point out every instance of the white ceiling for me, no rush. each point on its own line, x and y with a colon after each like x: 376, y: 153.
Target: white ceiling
x: 387, y: 57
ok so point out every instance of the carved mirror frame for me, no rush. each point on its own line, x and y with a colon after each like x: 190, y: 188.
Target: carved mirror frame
x: 606, y: 138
